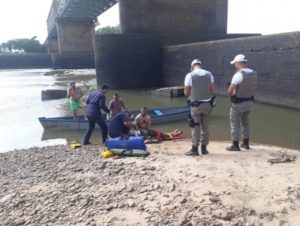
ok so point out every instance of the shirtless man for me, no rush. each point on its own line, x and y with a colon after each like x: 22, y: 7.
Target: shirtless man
x: 74, y: 95
x: 143, y: 120
x: 143, y: 126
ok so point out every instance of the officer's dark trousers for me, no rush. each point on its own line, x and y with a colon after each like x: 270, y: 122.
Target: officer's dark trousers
x: 92, y: 121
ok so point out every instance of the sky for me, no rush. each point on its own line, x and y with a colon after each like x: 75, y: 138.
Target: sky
x: 27, y: 18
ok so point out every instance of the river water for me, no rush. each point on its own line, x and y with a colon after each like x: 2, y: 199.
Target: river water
x: 21, y: 105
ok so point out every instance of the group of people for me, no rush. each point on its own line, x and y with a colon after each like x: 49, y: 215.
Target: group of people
x: 74, y: 94
x: 199, y: 87
x: 119, y: 116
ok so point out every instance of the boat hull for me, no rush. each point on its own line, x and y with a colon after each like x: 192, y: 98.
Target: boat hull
x: 158, y: 115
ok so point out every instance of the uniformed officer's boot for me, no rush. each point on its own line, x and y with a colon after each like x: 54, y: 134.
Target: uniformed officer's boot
x: 204, y: 150
x: 245, y: 144
x: 193, y: 152
x: 234, y: 146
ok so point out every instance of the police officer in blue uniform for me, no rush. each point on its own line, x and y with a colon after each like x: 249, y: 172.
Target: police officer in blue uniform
x: 96, y: 103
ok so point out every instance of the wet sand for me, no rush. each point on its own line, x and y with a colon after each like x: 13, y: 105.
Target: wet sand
x: 61, y: 186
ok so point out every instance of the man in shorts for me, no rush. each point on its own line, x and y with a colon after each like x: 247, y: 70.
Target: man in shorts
x: 74, y: 95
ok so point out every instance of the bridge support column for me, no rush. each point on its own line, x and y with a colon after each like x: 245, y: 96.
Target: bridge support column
x: 128, y: 61
x: 135, y: 57
x: 52, y: 45
x: 136, y: 60
x: 75, y: 41
x: 173, y: 16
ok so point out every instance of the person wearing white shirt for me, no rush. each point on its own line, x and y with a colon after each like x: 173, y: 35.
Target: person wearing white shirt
x: 241, y: 96
x: 199, y: 87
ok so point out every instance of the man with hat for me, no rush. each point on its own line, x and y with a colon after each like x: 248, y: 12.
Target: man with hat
x: 74, y: 94
x: 199, y: 87
x: 241, y: 96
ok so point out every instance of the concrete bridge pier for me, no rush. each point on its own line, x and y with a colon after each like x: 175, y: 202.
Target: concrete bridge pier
x: 74, y: 46
x: 134, y: 58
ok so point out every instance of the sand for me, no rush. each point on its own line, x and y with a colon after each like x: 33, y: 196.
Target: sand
x: 61, y: 186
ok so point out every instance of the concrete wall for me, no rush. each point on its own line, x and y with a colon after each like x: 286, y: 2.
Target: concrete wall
x: 75, y: 36
x: 74, y: 46
x: 52, y: 45
x: 173, y: 16
x: 73, y: 60
x: 11, y: 61
x: 128, y: 61
x: 135, y: 60
x: 276, y: 58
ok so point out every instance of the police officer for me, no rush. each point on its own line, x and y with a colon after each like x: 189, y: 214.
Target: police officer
x: 199, y: 86
x: 241, y: 96
x: 96, y: 103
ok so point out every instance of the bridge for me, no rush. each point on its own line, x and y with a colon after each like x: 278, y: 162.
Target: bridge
x: 133, y: 58
x: 71, y: 30
x: 75, y: 10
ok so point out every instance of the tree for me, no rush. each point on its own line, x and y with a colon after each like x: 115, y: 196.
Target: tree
x: 28, y: 45
x: 109, y: 30
x: 3, y: 48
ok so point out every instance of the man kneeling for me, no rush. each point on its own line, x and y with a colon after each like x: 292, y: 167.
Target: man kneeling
x: 120, y: 125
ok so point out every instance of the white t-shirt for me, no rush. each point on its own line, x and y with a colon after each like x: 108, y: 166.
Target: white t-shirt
x: 238, y: 76
x: 200, y: 72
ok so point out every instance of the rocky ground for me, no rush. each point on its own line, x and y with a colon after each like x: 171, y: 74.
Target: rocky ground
x: 61, y: 186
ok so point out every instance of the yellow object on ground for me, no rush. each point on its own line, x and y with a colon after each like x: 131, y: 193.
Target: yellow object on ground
x: 107, y: 154
x: 75, y: 145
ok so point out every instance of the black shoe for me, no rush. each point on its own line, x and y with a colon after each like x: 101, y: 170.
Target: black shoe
x: 245, y: 144
x: 234, y: 146
x: 204, y: 150
x: 88, y: 143
x: 193, y: 152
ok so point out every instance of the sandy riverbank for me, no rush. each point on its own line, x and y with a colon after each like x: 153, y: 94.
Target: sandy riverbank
x: 60, y: 186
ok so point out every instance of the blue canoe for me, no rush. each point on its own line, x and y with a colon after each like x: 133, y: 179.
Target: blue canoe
x: 158, y: 115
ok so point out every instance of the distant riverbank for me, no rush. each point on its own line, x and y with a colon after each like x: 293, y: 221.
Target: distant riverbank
x: 25, y: 60
x: 61, y: 186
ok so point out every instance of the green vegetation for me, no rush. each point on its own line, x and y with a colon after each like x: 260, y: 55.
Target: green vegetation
x: 109, y: 30
x: 24, y: 45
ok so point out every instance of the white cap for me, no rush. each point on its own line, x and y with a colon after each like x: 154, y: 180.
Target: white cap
x: 72, y: 84
x: 239, y: 58
x: 196, y: 61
